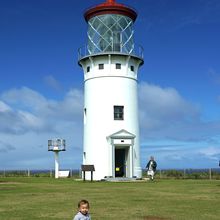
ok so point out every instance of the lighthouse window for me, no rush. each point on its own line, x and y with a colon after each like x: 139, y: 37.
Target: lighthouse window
x: 118, y: 112
x: 101, y: 66
x: 84, y: 115
x: 88, y: 69
x: 118, y: 66
x: 132, y: 68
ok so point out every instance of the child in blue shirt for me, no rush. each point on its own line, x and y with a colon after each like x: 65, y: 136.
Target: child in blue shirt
x: 83, y: 211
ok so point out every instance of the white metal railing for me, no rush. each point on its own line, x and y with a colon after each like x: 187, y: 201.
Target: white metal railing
x: 137, y: 51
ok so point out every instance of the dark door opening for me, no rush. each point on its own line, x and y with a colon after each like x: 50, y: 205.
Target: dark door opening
x: 120, y: 163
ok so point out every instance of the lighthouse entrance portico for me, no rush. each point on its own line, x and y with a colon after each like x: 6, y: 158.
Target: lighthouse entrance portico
x: 121, y: 154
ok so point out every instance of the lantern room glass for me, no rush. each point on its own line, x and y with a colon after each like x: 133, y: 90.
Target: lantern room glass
x: 110, y: 33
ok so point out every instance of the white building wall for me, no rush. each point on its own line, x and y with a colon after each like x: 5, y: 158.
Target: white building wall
x: 103, y: 89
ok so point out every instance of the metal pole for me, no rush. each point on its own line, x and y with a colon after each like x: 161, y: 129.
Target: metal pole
x: 84, y: 175
x: 56, y: 164
x: 80, y: 173
x: 91, y: 176
x: 210, y: 173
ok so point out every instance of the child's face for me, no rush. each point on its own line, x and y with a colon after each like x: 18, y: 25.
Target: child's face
x: 84, y: 208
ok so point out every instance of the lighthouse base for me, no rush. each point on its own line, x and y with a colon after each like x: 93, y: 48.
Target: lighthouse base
x: 121, y: 179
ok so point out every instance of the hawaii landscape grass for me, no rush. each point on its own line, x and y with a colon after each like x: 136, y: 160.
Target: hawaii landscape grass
x: 23, y: 198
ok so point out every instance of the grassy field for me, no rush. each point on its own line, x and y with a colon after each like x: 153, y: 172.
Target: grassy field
x: 24, y: 198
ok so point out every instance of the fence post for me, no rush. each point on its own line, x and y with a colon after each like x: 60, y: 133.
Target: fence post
x: 80, y: 173
x: 210, y: 173
x: 28, y: 173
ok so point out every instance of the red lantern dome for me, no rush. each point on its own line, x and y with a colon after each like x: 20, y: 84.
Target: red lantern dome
x: 110, y: 7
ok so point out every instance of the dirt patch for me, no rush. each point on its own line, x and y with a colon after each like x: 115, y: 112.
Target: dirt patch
x: 7, y: 188
x: 8, y: 183
x: 4, y: 185
x: 155, y: 218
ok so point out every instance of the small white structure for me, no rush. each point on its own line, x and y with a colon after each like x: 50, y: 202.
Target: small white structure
x: 110, y: 63
x: 64, y: 174
x: 57, y: 145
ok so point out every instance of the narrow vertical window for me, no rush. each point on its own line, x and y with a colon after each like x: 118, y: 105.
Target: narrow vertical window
x: 101, y: 66
x: 88, y: 69
x: 118, y: 66
x: 84, y: 115
x: 118, y: 112
x: 132, y: 68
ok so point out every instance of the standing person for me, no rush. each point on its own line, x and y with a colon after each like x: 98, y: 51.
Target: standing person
x: 83, y: 211
x: 151, y: 167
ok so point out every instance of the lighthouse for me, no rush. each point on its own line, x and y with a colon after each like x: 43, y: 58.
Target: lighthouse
x: 110, y: 62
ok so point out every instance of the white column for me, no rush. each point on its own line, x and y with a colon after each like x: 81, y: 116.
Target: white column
x: 56, y: 164
x: 131, y: 151
x: 113, y: 160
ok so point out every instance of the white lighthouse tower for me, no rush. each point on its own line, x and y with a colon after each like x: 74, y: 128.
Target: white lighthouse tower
x: 110, y: 62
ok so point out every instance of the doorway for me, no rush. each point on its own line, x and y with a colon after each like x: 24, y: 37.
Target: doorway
x: 120, y: 162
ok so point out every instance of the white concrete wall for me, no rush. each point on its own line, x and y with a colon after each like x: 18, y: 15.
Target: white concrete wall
x: 103, y: 90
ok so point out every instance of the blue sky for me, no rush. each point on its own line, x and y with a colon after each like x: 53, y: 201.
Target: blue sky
x: 41, y: 84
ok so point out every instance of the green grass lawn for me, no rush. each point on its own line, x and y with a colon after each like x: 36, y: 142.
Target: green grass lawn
x: 46, y: 198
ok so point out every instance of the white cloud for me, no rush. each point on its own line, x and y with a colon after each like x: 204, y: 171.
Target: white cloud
x: 164, y: 113
x: 211, y: 152
x: 182, y: 155
x: 24, y: 99
x: 172, y: 129
x: 165, y: 103
x: 52, y: 82
x: 4, y: 107
x: 163, y: 108
x: 16, y: 121
x: 29, y: 119
x: 24, y: 110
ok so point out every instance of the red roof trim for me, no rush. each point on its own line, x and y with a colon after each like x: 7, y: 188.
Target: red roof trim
x: 106, y: 8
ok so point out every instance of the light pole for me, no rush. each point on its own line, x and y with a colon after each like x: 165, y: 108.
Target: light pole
x: 57, y: 145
